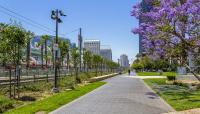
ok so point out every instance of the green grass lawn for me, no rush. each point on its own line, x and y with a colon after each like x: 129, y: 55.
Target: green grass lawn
x: 53, y: 102
x: 155, y: 73
x: 179, y: 97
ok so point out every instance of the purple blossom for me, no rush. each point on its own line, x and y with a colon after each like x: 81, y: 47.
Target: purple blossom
x: 158, y: 23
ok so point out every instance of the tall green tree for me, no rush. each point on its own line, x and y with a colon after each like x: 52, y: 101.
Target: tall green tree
x: 3, y: 47
x: 13, y: 40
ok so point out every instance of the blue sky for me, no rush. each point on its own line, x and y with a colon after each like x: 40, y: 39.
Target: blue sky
x: 106, y: 20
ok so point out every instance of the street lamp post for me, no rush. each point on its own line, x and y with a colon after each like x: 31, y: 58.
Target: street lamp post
x: 55, y: 15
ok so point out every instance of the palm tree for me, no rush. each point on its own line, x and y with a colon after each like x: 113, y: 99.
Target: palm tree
x: 87, y: 59
x: 29, y: 36
x: 43, y: 44
x: 96, y: 61
x: 40, y: 43
x: 75, y: 60
x: 64, y: 50
x: 101, y: 64
x: 46, y: 38
x: 112, y: 65
x: 52, y: 52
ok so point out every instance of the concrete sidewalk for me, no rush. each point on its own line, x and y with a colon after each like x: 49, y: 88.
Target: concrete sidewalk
x: 121, y: 95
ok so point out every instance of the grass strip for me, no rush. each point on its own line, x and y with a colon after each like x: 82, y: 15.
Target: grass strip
x: 53, y: 102
x: 179, y: 97
x: 155, y: 73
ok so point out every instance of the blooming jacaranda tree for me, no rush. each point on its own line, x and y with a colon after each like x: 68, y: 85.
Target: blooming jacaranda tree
x: 170, y: 28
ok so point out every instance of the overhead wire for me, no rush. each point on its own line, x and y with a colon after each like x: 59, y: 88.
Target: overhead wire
x: 31, y: 22
x: 26, y: 21
x: 15, y: 13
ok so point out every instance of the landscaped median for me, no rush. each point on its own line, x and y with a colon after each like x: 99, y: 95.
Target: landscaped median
x: 180, y: 97
x: 53, y: 102
x: 95, y: 79
x: 37, y: 96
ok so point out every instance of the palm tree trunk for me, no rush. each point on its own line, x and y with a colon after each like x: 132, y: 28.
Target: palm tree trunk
x: 96, y: 69
x: 84, y: 64
x: 68, y: 61
x: 42, y: 48
x: 87, y: 68
x: 28, y: 55
x: 46, y: 52
x: 101, y: 69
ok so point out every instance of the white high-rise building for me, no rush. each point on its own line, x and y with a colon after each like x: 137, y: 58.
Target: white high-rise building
x: 92, y: 46
x: 124, y: 62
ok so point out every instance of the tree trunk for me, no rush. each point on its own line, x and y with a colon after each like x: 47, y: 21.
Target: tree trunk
x: 42, y: 55
x: 46, y: 53
x: 101, y: 69
x: 68, y: 61
x: 192, y: 72
x: 96, y: 68
x: 28, y: 55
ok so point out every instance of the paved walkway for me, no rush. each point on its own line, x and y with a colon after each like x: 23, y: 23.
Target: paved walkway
x: 121, y: 95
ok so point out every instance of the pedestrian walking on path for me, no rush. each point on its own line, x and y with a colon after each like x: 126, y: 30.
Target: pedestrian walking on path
x: 129, y: 72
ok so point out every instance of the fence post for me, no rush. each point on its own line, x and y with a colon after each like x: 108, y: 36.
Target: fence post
x: 20, y: 72
x: 34, y: 78
x: 14, y: 83
x: 47, y: 75
x: 10, y: 83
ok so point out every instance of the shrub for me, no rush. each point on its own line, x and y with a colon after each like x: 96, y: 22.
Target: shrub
x: 5, y: 104
x: 171, y: 78
x: 35, y: 87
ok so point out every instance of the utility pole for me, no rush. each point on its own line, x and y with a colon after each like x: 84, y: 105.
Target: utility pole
x: 56, y: 16
x: 80, y: 40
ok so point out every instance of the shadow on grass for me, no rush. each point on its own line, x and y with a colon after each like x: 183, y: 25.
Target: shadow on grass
x: 27, y: 98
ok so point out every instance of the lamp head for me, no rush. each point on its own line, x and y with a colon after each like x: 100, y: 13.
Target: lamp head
x: 53, y: 15
x: 61, y: 13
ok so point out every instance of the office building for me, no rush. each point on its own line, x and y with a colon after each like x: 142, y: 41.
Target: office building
x: 106, y: 53
x: 123, y: 61
x: 93, y: 46
x: 36, y: 51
